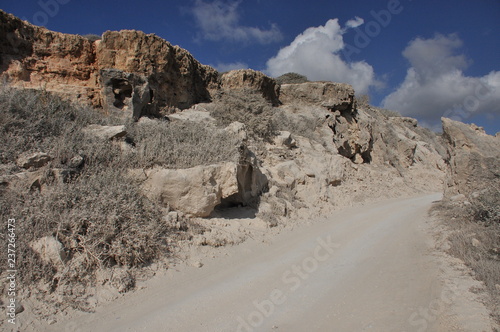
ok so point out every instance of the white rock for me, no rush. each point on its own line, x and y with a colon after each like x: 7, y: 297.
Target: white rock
x: 50, y: 250
x: 105, y: 132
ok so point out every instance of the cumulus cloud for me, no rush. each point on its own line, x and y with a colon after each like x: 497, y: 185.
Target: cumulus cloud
x: 223, y: 67
x: 435, y: 84
x: 316, y: 54
x: 220, y: 20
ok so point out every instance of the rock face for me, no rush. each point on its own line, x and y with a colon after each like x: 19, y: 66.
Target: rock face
x: 198, y: 190
x: 128, y: 70
x: 195, y: 191
x: 35, y: 160
x: 473, y: 159
x: 173, y: 76
x: 334, y: 96
x: 252, y: 80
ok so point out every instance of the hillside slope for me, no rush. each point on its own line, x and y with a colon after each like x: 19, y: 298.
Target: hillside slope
x: 126, y: 155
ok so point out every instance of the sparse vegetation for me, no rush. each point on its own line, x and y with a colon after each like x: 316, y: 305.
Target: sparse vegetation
x: 300, y: 124
x: 92, y: 37
x: 475, y: 239
x: 98, y: 213
x: 181, y: 145
x: 247, y: 107
x: 291, y: 78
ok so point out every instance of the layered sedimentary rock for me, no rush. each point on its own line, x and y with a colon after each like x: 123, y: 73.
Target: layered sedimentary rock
x: 128, y: 70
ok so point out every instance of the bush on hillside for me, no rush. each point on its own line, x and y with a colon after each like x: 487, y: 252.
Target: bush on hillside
x: 291, y: 78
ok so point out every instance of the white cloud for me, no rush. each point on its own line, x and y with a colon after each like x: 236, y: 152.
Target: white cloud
x: 316, y: 54
x: 219, y: 20
x: 435, y: 84
x: 355, y: 22
x: 223, y: 67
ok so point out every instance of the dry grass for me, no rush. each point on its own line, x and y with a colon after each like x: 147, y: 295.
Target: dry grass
x: 475, y: 239
x: 181, y: 145
x: 303, y: 125
x: 99, y: 215
x: 245, y: 106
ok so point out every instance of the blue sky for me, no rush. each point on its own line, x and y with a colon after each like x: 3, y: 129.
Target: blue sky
x: 422, y: 58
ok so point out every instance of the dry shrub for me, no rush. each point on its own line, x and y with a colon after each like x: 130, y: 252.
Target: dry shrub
x: 291, y: 78
x: 100, y: 216
x: 303, y: 125
x: 245, y: 106
x: 181, y: 144
x: 36, y: 120
x: 475, y: 243
x: 485, y: 207
x: 384, y: 112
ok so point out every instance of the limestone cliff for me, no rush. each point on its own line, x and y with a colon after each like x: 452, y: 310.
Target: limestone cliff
x: 128, y: 70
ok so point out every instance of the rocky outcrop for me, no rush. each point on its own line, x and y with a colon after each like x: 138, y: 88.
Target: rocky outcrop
x: 333, y: 96
x: 198, y: 190
x: 247, y: 79
x: 105, y: 132
x: 34, y: 160
x: 352, y: 134
x: 173, y: 76
x: 473, y: 159
x: 139, y: 73
x: 34, y: 57
x: 195, y: 191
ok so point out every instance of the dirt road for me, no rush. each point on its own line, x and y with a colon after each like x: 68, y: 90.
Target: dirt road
x: 363, y: 269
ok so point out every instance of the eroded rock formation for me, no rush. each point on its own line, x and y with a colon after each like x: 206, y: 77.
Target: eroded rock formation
x: 253, y: 80
x: 473, y: 158
x: 128, y: 70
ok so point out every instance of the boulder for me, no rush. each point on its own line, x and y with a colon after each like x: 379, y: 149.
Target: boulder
x: 24, y: 180
x: 50, y: 250
x: 33, y: 160
x: 195, y: 191
x: 247, y: 79
x: 239, y: 129
x: 76, y: 162
x: 105, y: 132
x: 198, y: 190
x: 352, y: 134
x: 333, y: 96
x: 284, y: 138
x: 194, y: 114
